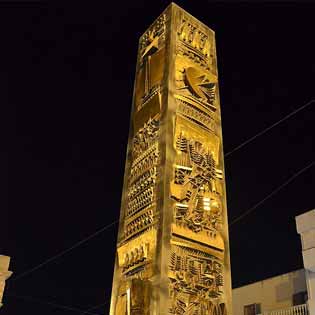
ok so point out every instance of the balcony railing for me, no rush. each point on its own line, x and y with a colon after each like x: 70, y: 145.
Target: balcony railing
x: 293, y: 310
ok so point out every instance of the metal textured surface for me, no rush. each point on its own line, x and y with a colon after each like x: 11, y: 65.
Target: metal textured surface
x: 173, y: 248
x: 4, y: 274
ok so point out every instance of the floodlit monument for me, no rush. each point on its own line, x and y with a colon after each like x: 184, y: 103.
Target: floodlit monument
x: 173, y: 249
x: 4, y: 274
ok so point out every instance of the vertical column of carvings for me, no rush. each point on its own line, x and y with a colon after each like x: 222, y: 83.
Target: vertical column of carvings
x: 198, y: 259
x: 136, y: 263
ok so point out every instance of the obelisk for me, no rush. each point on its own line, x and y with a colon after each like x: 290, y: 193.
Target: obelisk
x: 173, y: 248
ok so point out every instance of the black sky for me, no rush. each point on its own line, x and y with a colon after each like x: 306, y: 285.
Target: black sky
x: 67, y: 75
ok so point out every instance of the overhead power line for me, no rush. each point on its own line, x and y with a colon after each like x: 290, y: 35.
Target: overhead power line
x: 246, y: 213
x: 275, y: 191
x: 94, y: 307
x: 27, y: 272
x: 88, y: 311
x: 116, y: 221
x: 38, y: 301
x: 268, y: 128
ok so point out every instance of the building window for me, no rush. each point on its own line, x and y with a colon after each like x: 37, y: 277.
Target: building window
x: 252, y: 309
x: 299, y: 298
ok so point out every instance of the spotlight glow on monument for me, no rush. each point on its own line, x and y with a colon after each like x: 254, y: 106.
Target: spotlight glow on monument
x: 173, y: 248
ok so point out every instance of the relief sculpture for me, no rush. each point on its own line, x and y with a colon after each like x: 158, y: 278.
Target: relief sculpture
x: 136, y: 250
x: 173, y: 252
x: 195, y: 187
x: 196, y: 282
x: 196, y: 272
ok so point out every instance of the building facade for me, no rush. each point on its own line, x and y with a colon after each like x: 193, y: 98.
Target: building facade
x: 305, y: 225
x: 285, y: 294
x: 292, y: 293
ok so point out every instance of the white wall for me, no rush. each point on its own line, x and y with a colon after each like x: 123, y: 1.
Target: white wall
x: 305, y: 225
x: 272, y: 293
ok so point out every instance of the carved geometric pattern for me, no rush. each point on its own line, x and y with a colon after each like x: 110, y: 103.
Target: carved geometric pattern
x: 172, y: 249
x: 196, y: 281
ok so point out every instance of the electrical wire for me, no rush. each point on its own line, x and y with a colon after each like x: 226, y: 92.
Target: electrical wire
x: 82, y: 312
x: 232, y: 223
x: 95, y: 307
x: 38, y: 301
x: 268, y: 128
x: 296, y: 174
x: 62, y: 253
x: 246, y: 213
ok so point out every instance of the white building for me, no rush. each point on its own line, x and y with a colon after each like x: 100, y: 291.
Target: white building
x: 305, y: 225
x: 292, y: 293
x: 287, y: 292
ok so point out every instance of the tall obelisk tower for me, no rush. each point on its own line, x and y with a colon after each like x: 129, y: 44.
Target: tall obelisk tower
x: 173, y: 247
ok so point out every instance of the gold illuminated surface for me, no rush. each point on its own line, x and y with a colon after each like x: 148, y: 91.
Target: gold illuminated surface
x: 172, y: 248
x: 4, y: 274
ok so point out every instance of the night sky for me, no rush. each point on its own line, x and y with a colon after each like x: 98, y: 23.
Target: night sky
x: 66, y: 77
